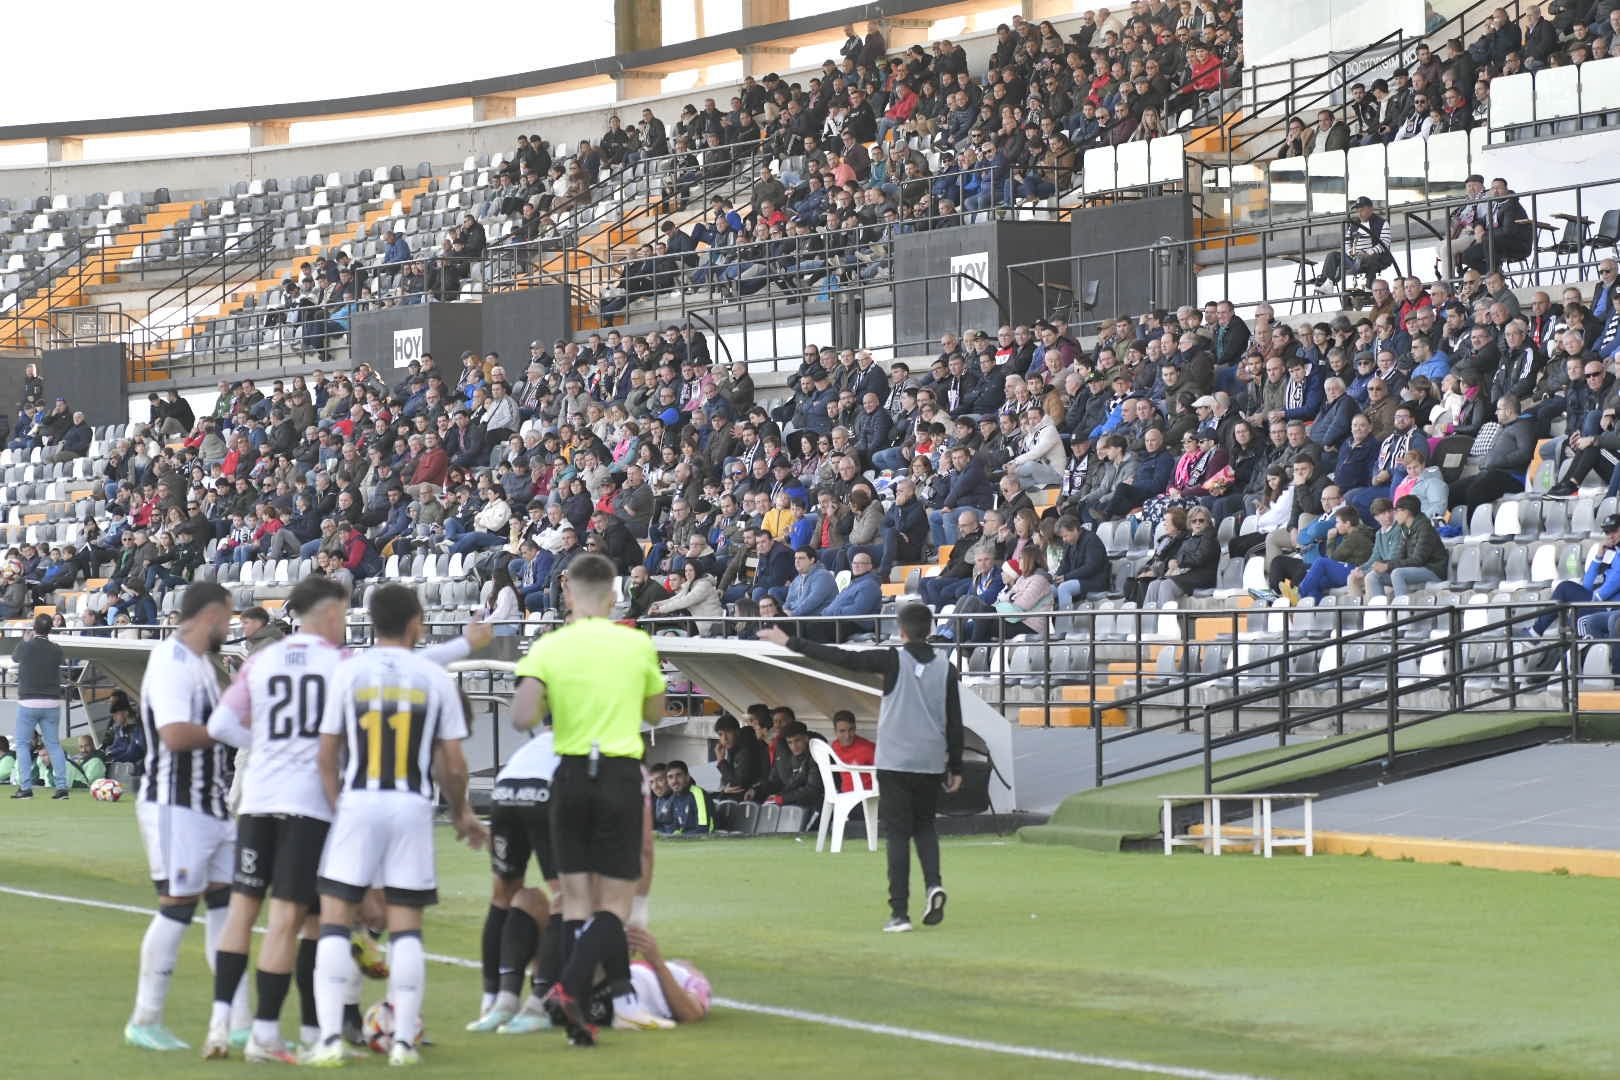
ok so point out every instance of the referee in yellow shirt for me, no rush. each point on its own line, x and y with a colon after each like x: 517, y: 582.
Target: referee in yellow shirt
x: 599, y: 681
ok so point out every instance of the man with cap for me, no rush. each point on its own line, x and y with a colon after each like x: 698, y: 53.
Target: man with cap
x: 1366, y: 248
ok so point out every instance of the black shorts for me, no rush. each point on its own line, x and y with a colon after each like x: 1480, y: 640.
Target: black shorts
x: 596, y: 823
x: 520, y: 826
x: 281, y: 854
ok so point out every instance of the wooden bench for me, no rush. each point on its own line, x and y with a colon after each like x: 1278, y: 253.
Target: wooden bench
x: 1261, y: 840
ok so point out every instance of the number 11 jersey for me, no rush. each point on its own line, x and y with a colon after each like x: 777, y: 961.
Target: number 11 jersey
x: 390, y: 704
x: 282, y: 691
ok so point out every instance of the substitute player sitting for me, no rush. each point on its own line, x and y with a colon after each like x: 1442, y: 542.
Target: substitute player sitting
x: 599, y: 680
x: 392, y: 728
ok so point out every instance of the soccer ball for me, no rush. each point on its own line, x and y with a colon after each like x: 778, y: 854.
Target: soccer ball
x: 378, y: 1028
x: 106, y: 790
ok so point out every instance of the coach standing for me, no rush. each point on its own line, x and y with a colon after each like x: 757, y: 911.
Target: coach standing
x: 919, y: 750
x: 599, y: 680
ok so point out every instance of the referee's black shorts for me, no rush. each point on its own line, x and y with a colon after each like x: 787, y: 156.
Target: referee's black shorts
x: 596, y: 823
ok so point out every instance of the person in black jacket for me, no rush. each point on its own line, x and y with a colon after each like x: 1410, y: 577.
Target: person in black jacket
x: 741, y: 758
x: 905, y: 528
x: 1194, y: 564
x: 794, y: 779
x: 1084, y: 569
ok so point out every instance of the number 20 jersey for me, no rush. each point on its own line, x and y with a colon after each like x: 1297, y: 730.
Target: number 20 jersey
x: 284, y: 689
x: 390, y: 705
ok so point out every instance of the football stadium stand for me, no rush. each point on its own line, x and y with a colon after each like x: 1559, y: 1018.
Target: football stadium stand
x: 1194, y: 397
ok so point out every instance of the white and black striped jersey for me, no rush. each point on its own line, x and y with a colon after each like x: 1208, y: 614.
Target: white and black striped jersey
x: 181, y: 687
x: 390, y: 704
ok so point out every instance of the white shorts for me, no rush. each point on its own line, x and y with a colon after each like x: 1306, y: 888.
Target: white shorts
x: 381, y: 839
x: 186, y: 850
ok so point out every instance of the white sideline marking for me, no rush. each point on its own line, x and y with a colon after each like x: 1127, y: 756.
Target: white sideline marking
x: 823, y: 1019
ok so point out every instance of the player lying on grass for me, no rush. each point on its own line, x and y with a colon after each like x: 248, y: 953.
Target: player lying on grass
x: 671, y: 991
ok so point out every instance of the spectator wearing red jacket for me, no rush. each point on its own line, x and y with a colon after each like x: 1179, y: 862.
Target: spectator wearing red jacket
x: 851, y: 749
x: 358, y: 558
x: 1206, y: 79
x: 433, y: 467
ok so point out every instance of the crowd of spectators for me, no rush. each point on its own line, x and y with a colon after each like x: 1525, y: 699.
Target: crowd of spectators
x: 878, y: 143
x: 881, y: 144
x: 716, y: 505
x: 1433, y: 95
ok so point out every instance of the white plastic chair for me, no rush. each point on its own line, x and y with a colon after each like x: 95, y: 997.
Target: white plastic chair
x: 836, y: 805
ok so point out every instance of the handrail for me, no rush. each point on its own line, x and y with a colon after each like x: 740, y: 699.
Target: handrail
x: 1388, y: 695
x: 1288, y: 96
x: 1252, y: 243
x: 1402, y: 49
x: 1233, y: 674
x: 1287, y: 685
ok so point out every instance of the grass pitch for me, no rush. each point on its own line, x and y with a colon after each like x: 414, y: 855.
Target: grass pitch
x: 1326, y: 967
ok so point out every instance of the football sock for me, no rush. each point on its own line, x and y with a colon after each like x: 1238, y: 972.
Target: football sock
x: 229, y: 969
x: 494, y: 925
x: 407, y: 972
x: 240, y: 1015
x: 548, y: 969
x: 615, y: 954
x: 160, y: 950
x: 517, y: 949
x: 272, y: 987
x: 333, y: 967
x: 304, y: 973
x: 572, y: 929
x: 602, y: 943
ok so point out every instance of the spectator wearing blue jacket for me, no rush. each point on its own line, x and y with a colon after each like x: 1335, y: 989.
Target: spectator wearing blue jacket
x: 854, y: 606
x: 1154, y: 468
x: 970, y: 487
x: 773, y: 571
x: 128, y: 742
x: 1358, y: 455
x: 396, y: 252
x: 905, y: 528
x: 685, y: 810
x: 1332, y: 425
x: 1601, y: 582
x: 397, y: 521
x: 812, y: 590
x: 75, y: 441
x: 1302, y: 394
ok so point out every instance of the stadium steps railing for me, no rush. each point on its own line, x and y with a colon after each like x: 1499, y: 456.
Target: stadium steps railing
x: 224, y: 297
x: 66, y: 281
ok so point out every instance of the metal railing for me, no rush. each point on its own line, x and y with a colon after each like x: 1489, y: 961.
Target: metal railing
x: 1182, y: 270
x: 1474, y: 685
x: 1334, y: 72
